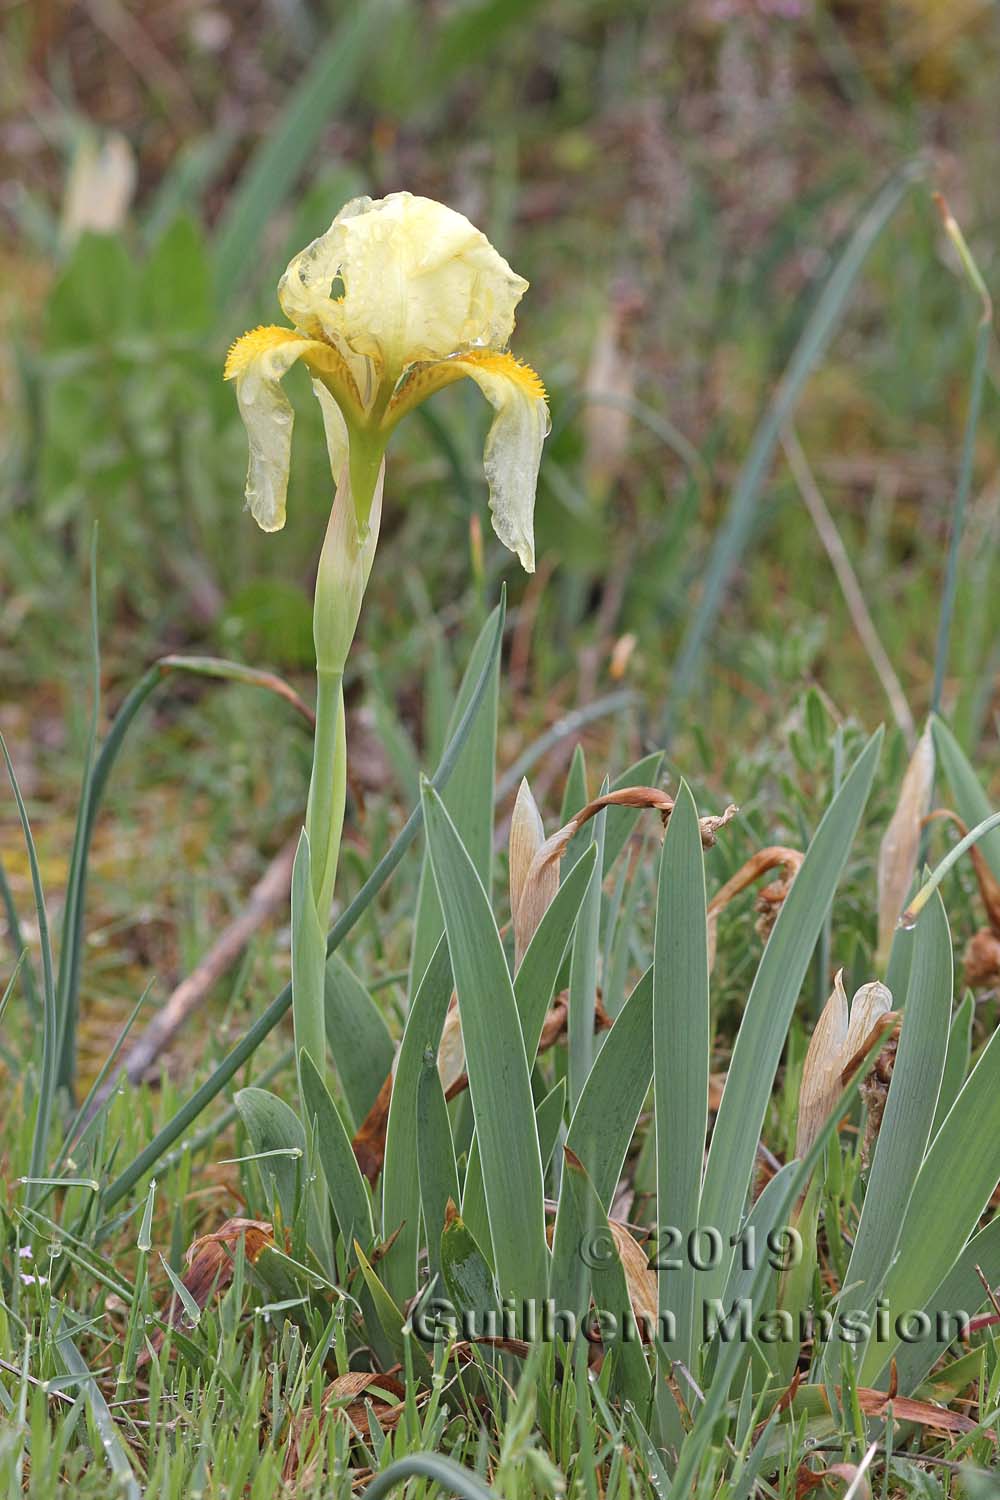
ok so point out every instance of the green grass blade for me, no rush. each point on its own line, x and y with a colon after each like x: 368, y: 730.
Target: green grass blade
x: 345, y: 1185
x: 50, y: 1029
x: 769, y: 1009
x: 266, y: 1023
x: 499, y: 1085
x: 452, y: 1477
x: 909, y: 1114
x: 285, y: 149
x: 680, y: 1056
x: 733, y: 536
x: 953, y: 1187
x: 25, y: 967
x: 115, y: 1451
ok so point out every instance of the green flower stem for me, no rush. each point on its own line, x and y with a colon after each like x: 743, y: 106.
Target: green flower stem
x: 327, y: 789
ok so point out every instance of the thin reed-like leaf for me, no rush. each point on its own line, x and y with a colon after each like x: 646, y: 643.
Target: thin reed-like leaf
x: 733, y: 535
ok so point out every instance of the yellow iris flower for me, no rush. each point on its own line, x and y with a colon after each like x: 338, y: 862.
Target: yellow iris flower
x: 423, y: 299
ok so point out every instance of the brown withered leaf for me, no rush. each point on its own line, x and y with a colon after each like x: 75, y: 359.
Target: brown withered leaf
x: 344, y: 1396
x: 369, y: 1143
x: 639, y: 1277
x: 839, y: 1044
x: 900, y: 846
x: 651, y: 797
x: 771, y: 898
x: 922, y: 1413
x: 982, y: 960
x: 210, y: 1260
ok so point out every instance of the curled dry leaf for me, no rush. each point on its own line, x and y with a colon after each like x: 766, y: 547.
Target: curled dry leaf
x: 771, y: 898
x: 982, y: 960
x: 837, y: 1047
x: 210, y: 1260
x: 900, y: 846
x: 548, y: 854
x: 529, y: 899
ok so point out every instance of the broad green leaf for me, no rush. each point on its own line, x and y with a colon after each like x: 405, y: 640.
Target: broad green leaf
x: 400, y: 1173
x: 344, y: 1183
x: 583, y: 970
x: 357, y: 1036
x: 469, y: 796
x: 604, y: 1121
x: 548, y: 1120
x: 532, y: 990
x: 388, y: 1313
x: 680, y: 1056
x: 960, y: 1291
x: 953, y: 1187
x: 499, y: 1085
x: 279, y: 1142
x: 769, y: 1008
x: 602, y: 1126
x: 906, y: 1122
x: 956, y: 1063
x: 468, y: 1279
